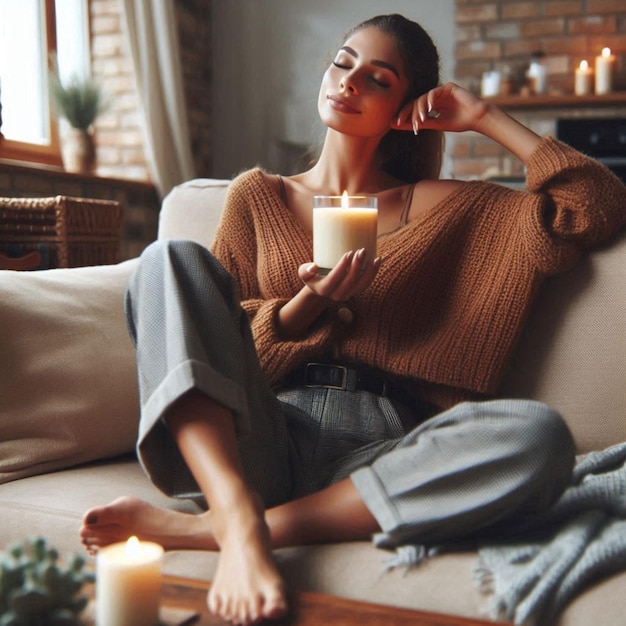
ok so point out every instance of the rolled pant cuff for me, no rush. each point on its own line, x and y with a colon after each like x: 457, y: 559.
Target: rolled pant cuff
x: 195, y: 375
x: 375, y: 498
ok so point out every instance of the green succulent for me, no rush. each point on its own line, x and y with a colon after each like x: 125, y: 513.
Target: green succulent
x: 36, y: 589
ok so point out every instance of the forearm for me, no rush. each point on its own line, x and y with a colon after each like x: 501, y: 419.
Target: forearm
x: 299, y: 313
x: 508, y: 132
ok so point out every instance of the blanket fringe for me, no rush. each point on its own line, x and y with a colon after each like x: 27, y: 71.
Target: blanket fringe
x: 406, y: 556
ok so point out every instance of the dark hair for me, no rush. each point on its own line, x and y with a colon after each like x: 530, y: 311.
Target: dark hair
x: 401, y: 153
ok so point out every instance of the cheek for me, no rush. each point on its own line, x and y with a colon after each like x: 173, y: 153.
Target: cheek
x: 324, y: 89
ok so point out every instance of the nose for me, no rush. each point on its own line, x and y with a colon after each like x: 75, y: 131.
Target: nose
x: 349, y: 83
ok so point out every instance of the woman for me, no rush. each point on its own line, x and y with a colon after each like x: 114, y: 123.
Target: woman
x: 411, y: 446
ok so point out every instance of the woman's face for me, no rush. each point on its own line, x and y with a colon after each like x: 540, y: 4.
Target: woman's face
x: 363, y: 89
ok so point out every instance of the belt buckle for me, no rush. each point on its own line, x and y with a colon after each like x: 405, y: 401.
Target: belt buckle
x: 344, y: 376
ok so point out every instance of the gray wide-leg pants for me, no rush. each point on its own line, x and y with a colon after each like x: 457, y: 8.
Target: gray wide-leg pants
x: 470, y: 467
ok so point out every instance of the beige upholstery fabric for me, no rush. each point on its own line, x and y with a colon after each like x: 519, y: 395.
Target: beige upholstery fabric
x: 67, y: 369
x: 573, y: 352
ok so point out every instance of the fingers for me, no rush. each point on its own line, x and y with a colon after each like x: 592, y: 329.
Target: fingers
x: 425, y: 111
x: 353, y: 273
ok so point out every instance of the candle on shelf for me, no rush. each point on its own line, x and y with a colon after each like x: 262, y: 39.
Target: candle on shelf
x: 341, y: 224
x: 604, y: 71
x: 128, y: 584
x: 583, y: 80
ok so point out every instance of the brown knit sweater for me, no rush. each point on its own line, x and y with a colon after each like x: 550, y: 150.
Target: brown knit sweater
x: 454, y: 288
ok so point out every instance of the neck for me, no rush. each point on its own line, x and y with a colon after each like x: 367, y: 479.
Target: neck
x: 348, y: 164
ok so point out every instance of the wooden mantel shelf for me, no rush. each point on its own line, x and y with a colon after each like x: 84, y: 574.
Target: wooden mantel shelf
x: 557, y: 100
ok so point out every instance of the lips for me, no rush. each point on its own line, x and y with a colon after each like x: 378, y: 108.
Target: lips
x: 342, y: 104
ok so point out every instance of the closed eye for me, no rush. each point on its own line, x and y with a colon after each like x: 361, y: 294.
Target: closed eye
x: 381, y: 83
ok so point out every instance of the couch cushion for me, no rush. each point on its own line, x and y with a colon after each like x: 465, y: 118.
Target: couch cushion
x: 192, y: 210
x: 572, y: 353
x: 68, y: 390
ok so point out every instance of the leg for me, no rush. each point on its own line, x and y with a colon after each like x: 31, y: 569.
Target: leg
x: 247, y: 586
x: 469, y: 468
x: 203, y: 395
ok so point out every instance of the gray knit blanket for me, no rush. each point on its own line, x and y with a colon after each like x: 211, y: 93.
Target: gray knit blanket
x: 581, y: 539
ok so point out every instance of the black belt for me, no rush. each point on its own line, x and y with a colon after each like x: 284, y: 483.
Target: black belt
x: 346, y: 378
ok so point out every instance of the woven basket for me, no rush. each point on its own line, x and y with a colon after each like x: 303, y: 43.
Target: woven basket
x: 71, y: 232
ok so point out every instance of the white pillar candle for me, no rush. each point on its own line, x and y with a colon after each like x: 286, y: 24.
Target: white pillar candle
x: 583, y: 79
x: 342, y: 224
x: 604, y: 72
x: 128, y: 584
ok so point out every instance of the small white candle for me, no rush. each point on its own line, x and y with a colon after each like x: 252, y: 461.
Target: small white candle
x: 604, y: 72
x: 342, y: 224
x: 128, y: 584
x: 583, y: 80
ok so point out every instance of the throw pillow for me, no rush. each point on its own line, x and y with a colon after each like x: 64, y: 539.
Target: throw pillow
x: 68, y: 391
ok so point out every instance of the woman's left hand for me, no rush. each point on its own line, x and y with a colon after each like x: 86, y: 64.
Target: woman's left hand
x: 448, y: 107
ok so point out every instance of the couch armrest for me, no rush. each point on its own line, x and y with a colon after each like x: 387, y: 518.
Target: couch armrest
x: 192, y: 210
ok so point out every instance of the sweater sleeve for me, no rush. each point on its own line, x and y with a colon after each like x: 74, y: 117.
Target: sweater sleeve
x: 584, y: 202
x: 235, y: 246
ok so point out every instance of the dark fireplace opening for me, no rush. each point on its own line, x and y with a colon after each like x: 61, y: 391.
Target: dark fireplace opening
x: 603, y: 139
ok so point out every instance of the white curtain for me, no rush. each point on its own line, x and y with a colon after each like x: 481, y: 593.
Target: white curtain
x: 153, y: 38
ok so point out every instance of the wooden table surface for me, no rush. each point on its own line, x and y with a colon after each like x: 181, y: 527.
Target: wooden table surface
x: 310, y: 609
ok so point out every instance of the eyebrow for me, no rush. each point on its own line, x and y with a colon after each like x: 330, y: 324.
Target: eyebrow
x: 382, y: 64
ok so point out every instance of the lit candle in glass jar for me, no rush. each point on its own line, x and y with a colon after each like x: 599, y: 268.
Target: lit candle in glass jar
x: 342, y: 224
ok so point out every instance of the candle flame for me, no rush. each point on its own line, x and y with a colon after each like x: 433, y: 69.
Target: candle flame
x: 344, y: 200
x: 584, y: 65
x: 132, y: 547
x: 606, y: 52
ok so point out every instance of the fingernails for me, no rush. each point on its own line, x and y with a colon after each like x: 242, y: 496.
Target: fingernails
x: 415, y: 127
x: 311, y: 268
x: 399, y: 122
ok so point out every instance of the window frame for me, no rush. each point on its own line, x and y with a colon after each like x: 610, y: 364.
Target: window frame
x: 48, y: 154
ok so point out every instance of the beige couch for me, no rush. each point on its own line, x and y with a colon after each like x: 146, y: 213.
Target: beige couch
x: 68, y: 413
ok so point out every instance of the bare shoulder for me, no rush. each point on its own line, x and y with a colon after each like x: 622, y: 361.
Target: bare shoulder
x: 429, y: 194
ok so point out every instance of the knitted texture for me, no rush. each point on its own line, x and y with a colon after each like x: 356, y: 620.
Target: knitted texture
x: 581, y: 539
x: 455, y: 286
x: 548, y: 559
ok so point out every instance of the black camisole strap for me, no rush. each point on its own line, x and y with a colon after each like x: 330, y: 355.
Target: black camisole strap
x: 407, y: 206
x: 283, y: 191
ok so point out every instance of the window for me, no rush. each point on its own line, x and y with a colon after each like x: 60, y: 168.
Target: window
x: 31, y: 32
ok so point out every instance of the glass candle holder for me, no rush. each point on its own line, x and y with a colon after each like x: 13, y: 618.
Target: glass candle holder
x: 342, y: 224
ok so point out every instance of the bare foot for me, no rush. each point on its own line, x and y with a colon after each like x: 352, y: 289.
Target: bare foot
x: 247, y: 586
x: 128, y: 516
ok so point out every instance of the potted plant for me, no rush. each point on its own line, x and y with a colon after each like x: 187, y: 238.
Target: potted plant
x: 79, y: 101
x: 38, y: 589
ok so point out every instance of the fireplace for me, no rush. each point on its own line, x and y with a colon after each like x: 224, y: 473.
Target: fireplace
x: 601, y: 138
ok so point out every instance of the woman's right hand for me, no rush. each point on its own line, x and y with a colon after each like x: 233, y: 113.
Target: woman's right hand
x: 353, y: 274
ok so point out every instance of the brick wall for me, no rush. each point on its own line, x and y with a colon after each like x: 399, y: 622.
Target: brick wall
x: 119, y: 144
x: 501, y: 34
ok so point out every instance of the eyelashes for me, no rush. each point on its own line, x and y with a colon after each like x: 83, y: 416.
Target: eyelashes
x: 376, y: 81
